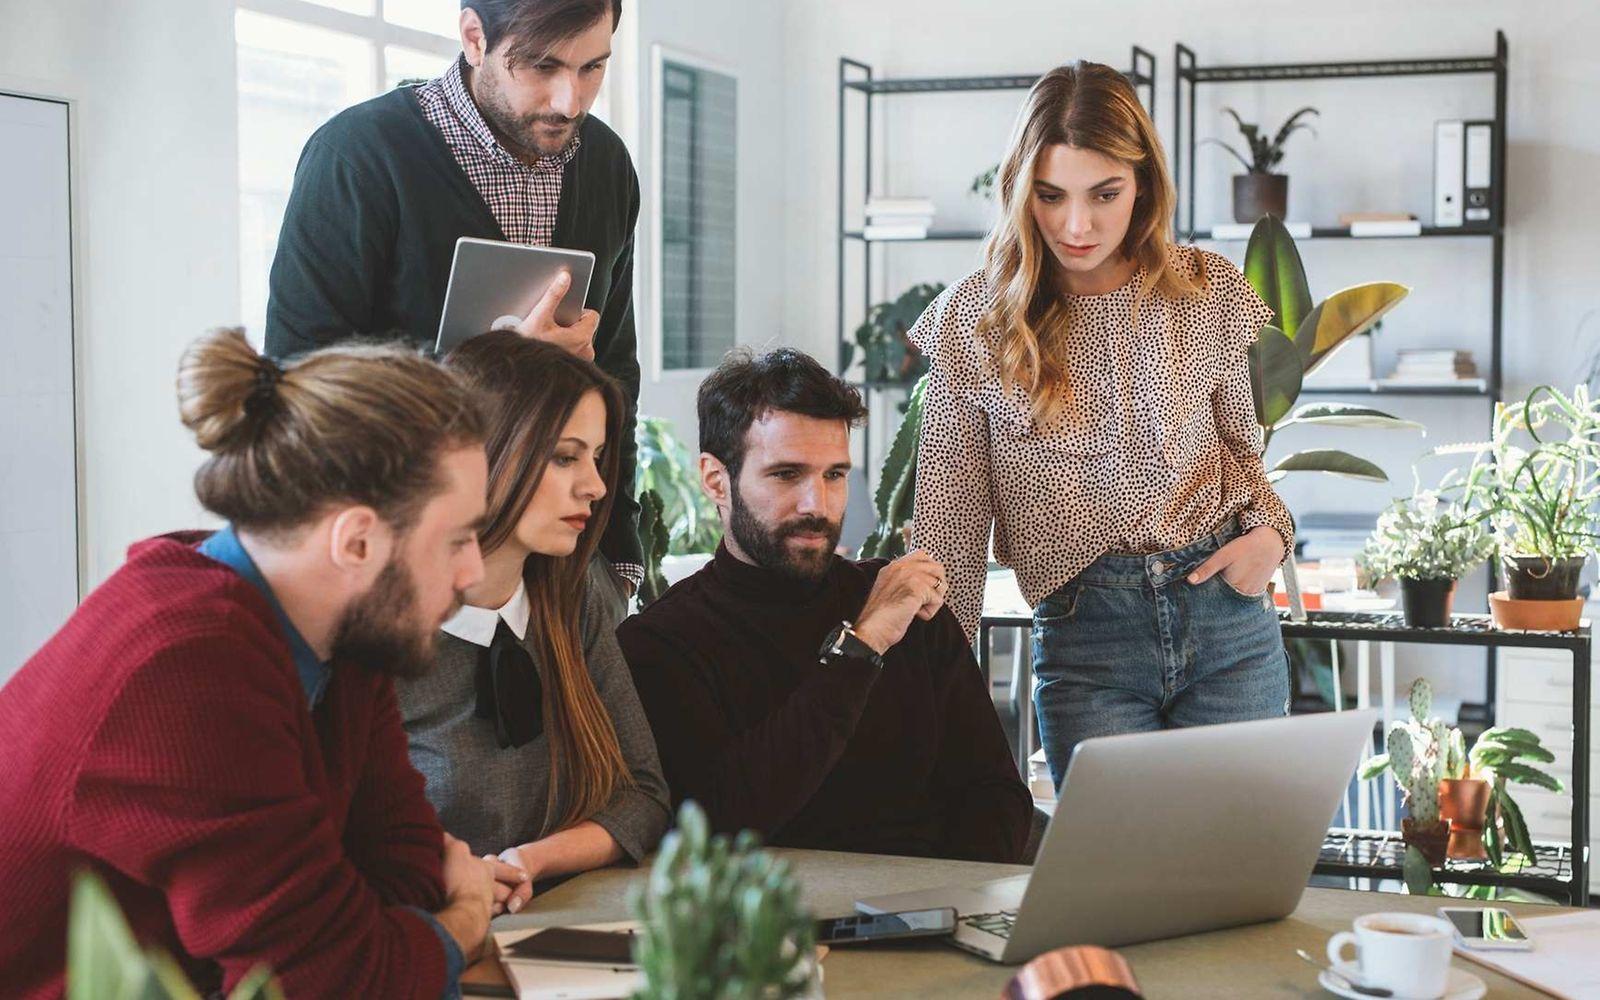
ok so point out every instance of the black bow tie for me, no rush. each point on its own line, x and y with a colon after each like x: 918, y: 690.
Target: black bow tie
x: 509, y: 689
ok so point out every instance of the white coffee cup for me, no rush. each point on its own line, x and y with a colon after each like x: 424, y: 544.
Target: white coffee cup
x: 1408, y: 953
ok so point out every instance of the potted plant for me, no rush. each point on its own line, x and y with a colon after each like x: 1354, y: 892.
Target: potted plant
x: 678, y: 524
x: 1458, y: 802
x: 720, y: 919
x: 1258, y: 191
x: 887, y: 356
x: 1427, y: 544
x: 1419, y: 750
x: 104, y: 962
x: 1538, y: 481
x: 1501, y: 755
x: 1302, y: 335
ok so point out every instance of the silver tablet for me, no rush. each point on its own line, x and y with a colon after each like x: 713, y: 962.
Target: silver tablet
x: 490, y: 280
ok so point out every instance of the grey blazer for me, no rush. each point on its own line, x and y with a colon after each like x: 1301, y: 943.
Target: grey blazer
x: 495, y: 798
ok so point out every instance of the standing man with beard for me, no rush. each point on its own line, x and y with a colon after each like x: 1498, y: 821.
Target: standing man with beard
x: 214, y: 731
x: 502, y: 147
x: 823, y: 703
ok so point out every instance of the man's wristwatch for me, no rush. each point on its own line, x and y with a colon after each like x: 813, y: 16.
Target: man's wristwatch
x: 842, y: 642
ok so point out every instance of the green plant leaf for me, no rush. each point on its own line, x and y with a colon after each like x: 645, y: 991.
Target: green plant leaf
x: 1344, y: 314
x: 1331, y: 460
x: 1418, y: 873
x: 1516, y: 828
x: 1374, y: 767
x: 257, y: 984
x: 1275, y: 374
x: 1525, y: 775
x: 1272, y: 266
x: 1348, y: 415
x: 897, y: 482
x: 103, y: 960
x: 1510, y: 736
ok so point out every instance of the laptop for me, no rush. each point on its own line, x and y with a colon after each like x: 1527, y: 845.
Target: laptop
x: 1157, y: 835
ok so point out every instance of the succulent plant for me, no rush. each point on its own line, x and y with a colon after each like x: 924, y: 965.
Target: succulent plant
x: 1421, y: 700
x: 1422, y: 750
x: 1456, y: 763
x: 720, y: 920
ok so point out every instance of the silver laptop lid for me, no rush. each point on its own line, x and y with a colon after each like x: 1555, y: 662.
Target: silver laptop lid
x: 1161, y: 834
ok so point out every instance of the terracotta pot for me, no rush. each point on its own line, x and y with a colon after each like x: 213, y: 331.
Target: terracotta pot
x: 1535, y: 616
x: 1536, y: 578
x: 1255, y: 195
x: 1432, y: 839
x: 1427, y: 602
x: 1464, y: 802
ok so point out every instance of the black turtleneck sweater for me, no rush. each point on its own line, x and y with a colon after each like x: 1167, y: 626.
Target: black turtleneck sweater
x: 908, y: 760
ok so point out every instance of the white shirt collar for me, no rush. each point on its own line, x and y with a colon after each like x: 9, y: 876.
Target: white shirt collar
x: 477, y: 625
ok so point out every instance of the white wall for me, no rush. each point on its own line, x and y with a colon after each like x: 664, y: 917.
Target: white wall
x: 745, y: 38
x: 156, y: 229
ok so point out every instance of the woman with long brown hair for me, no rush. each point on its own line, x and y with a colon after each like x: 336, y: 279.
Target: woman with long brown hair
x: 1089, y: 401
x: 528, y: 730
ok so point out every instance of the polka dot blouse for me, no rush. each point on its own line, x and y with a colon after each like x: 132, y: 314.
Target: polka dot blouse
x: 1157, y: 447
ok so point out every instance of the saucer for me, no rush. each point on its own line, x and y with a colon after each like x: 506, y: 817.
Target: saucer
x: 1460, y: 986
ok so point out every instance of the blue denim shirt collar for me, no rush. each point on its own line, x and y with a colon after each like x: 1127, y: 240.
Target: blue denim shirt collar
x: 224, y: 547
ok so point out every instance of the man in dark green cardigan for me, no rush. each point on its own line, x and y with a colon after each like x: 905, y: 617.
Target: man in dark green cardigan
x: 501, y: 146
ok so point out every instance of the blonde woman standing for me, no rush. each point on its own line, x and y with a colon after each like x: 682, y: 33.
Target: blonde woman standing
x: 1089, y: 401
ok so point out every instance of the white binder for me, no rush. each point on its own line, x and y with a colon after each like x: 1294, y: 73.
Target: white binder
x: 1477, y: 197
x: 1449, y: 154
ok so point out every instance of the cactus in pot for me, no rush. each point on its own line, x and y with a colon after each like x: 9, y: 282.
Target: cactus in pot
x: 1422, y: 750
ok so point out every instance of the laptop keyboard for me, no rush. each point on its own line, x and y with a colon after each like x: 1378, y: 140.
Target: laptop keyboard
x: 998, y: 923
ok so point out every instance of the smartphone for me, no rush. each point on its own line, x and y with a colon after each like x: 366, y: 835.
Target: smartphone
x: 571, y: 944
x: 887, y: 926
x: 1486, y: 929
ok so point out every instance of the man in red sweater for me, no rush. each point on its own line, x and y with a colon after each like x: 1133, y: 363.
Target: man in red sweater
x: 214, y: 732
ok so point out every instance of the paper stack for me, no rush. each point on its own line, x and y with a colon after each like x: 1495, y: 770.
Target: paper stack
x: 1381, y: 223
x: 1564, y: 961
x: 1434, y: 368
x: 898, y: 218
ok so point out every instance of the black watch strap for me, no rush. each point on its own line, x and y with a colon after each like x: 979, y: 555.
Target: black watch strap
x: 842, y: 642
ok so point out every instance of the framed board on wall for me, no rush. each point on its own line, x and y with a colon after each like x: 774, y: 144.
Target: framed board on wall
x: 39, y: 544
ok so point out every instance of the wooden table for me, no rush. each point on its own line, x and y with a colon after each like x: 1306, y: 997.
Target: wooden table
x: 1255, y: 961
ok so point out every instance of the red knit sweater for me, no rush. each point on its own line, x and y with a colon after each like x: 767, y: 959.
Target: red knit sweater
x: 163, y: 740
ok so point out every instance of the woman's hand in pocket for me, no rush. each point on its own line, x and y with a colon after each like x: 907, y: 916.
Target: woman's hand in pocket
x: 1246, y: 563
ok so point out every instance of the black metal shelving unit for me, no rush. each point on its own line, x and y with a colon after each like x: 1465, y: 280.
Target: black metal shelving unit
x: 857, y: 77
x: 1189, y: 76
x: 1570, y: 876
x: 1380, y: 854
x: 1558, y: 870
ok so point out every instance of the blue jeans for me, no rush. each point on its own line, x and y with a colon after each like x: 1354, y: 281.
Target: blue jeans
x: 1129, y: 645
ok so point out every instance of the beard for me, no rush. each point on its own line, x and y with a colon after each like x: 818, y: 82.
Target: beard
x: 764, y: 543
x: 523, y: 134
x: 381, y: 630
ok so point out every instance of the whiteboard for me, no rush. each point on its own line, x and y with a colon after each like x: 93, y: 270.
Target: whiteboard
x: 38, y: 436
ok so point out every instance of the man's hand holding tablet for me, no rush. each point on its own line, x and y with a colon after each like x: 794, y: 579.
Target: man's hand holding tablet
x: 540, y: 324
x: 537, y: 291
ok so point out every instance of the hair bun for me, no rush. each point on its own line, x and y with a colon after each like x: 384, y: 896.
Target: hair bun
x: 222, y: 384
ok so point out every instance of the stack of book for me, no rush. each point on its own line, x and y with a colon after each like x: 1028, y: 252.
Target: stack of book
x: 1381, y: 223
x: 898, y: 218
x: 1435, y: 368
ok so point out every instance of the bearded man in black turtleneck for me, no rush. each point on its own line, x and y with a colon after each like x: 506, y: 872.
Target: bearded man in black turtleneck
x: 823, y: 703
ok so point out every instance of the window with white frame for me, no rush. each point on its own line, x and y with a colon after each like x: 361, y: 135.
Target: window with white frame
x: 300, y: 63
x: 695, y: 167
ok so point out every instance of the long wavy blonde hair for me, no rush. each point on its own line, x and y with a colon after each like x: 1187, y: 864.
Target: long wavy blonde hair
x: 1087, y: 106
